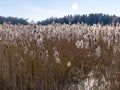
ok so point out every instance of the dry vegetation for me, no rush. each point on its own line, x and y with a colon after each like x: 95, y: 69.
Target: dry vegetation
x: 59, y: 57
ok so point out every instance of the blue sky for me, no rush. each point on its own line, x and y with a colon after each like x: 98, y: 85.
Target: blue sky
x: 42, y: 9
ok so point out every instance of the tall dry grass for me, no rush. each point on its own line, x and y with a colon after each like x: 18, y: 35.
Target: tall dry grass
x: 59, y: 57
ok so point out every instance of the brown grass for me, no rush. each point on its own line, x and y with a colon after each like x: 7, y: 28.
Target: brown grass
x: 34, y: 70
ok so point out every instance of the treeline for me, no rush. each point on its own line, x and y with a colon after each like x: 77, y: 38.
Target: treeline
x: 13, y: 20
x: 70, y: 19
x: 88, y: 19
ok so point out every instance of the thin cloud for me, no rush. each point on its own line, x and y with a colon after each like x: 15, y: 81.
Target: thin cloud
x: 41, y: 14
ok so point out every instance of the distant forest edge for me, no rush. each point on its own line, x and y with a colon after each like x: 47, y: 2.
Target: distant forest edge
x: 70, y: 19
x: 13, y: 20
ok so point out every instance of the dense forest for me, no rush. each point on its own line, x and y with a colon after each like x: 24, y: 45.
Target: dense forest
x: 88, y: 19
x: 70, y: 19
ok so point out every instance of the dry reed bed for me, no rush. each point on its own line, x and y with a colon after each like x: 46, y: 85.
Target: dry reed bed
x: 59, y: 57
